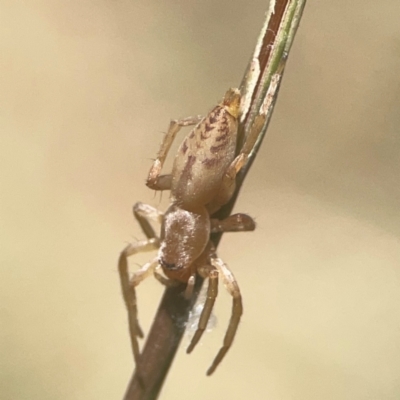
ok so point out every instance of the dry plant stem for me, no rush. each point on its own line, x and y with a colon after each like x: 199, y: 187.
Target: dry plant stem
x: 259, y: 87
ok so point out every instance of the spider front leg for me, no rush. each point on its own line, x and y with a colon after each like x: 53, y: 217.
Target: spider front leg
x: 128, y: 289
x: 163, y: 182
x: 234, y: 223
x: 143, y: 213
x: 212, y: 293
x: 237, y: 309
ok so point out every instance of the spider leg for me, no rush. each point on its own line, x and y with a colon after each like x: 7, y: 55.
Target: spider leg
x: 128, y: 287
x: 163, y: 182
x: 234, y: 223
x: 237, y: 309
x: 143, y: 213
x: 212, y: 293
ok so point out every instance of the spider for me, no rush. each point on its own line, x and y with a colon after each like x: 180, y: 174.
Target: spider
x: 202, y: 180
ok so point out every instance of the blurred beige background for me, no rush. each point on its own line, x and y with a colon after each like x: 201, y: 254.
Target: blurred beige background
x: 86, y: 90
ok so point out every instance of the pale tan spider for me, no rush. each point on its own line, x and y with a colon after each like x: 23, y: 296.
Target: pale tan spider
x: 202, y: 180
